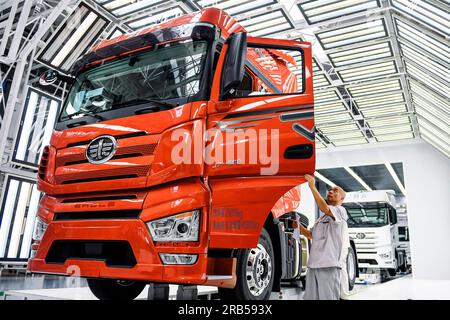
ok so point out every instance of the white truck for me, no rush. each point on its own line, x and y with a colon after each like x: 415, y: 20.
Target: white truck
x: 403, y: 234
x: 374, y: 227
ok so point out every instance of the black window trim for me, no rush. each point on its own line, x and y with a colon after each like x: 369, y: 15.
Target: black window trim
x: 263, y: 77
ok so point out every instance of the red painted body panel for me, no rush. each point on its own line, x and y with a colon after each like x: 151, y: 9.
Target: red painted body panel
x: 235, y: 200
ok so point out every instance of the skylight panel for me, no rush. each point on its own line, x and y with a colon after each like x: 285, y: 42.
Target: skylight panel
x: 427, y: 79
x: 444, y: 126
x: 352, y: 34
x: 320, y: 80
x: 396, y: 136
x: 330, y: 129
x: 315, y: 66
x: 360, y: 90
x: 236, y: 7
x: 435, y: 136
x: 328, y: 107
x: 322, y: 10
x: 441, y: 134
x: 380, y: 100
x: 389, y: 121
x: 361, y: 54
x: 349, y: 142
x: 432, y: 66
x: 325, y: 96
x: 345, y: 135
x: 430, y: 108
x: 331, y: 118
x: 157, y: 17
x: 432, y: 15
x: 369, y: 71
x: 121, y: 8
x: 391, y: 129
x: 381, y: 111
x: 423, y: 40
x: 267, y: 23
x: 73, y: 38
x: 437, y: 143
x: 436, y: 100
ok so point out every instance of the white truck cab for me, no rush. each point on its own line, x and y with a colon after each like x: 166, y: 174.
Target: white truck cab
x: 372, y: 223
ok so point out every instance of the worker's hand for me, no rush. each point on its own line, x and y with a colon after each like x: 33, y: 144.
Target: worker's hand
x: 310, y: 179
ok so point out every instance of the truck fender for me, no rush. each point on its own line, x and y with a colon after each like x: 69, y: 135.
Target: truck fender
x: 274, y: 228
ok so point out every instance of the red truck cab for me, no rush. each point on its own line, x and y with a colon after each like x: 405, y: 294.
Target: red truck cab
x: 174, y: 158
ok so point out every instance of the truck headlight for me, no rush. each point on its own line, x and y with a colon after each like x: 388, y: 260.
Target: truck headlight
x: 39, y: 230
x: 180, y: 227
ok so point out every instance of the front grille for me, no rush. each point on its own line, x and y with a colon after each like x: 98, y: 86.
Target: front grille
x: 132, y: 160
x: 97, y: 215
x: 100, y: 198
x: 121, y: 153
x: 121, y: 136
x: 114, y: 253
x: 106, y: 174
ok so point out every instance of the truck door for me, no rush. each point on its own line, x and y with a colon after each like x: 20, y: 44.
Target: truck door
x: 260, y: 136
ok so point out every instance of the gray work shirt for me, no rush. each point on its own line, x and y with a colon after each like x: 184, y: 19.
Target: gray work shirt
x: 326, y: 243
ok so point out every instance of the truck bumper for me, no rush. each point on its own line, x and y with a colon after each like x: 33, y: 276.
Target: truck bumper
x: 122, y: 248
x: 374, y: 261
x: 148, y: 265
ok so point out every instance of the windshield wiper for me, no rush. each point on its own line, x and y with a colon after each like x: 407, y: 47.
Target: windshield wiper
x: 142, y: 101
x: 90, y: 113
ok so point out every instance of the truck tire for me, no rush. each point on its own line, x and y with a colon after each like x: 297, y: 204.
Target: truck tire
x: 351, y: 268
x: 105, y: 289
x: 392, y: 272
x: 403, y: 267
x: 254, y: 271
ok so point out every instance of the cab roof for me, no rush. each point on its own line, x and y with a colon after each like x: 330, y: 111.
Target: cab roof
x: 214, y: 16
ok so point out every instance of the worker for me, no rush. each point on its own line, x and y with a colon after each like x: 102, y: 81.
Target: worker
x: 323, y: 280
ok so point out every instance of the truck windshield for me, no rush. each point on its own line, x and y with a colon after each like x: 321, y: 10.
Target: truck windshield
x: 367, y: 217
x: 161, y: 75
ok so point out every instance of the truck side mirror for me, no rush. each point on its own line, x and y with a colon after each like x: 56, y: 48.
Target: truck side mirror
x: 234, y: 66
x: 393, y: 216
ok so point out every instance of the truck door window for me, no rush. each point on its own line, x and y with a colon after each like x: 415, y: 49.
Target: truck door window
x: 277, y: 71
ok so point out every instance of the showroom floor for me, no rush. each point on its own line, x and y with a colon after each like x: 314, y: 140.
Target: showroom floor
x: 55, y: 288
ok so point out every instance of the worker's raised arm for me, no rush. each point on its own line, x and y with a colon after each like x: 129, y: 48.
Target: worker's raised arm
x: 307, y: 233
x: 321, y: 203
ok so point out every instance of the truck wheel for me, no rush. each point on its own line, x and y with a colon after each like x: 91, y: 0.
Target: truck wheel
x: 392, y: 272
x: 106, y: 289
x: 351, y: 268
x: 254, y: 271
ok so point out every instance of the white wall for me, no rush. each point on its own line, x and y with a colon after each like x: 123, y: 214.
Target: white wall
x: 307, y: 204
x: 427, y: 182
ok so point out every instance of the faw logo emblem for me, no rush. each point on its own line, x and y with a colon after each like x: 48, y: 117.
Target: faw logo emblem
x: 360, y: 235
x: 101, y: 149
